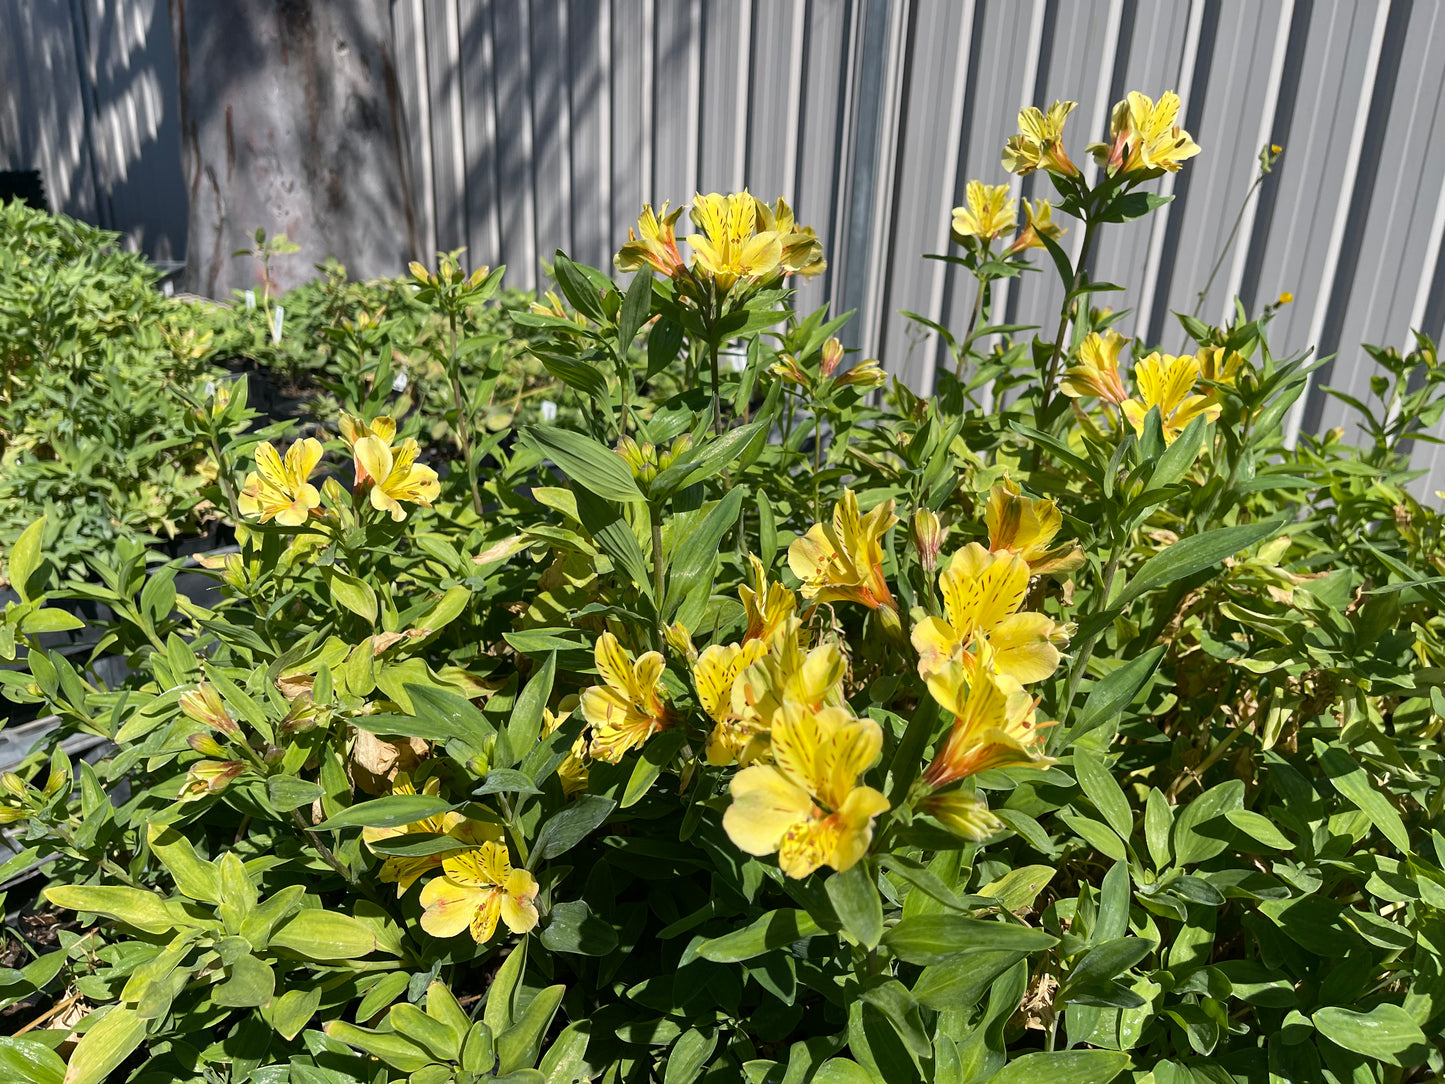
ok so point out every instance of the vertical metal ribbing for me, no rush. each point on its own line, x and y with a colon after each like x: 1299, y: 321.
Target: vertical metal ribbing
x: 1159, y: 227
x: 649, y: 67
x: 422, y: 142
x: 1295, y: 418
x: 1099, y: 121
x: 454, y: 94
x: 875, y: 287
x: 1028, y: 90
x: 794, y: 111
x: 744, y: 83
x: 1262, y: 138
x: 604, y: 106
x: 956, y: 104
x: 493, y: 223
x: 694, y: 97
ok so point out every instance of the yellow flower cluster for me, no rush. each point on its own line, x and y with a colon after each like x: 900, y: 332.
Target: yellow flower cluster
x: 842, y: 561
x: 739, y: 238
x: 1161, y: 380
x: 977, y: 657
x: 281, y: 489
x: 477, y: 885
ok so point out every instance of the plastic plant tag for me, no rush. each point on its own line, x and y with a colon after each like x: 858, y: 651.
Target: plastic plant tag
x: 398, y: 382
x: 250, y: 299
x: 276, y: 324
x: 549, y: 410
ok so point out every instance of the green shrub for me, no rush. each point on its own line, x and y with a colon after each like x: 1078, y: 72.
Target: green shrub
x: 772, y: 726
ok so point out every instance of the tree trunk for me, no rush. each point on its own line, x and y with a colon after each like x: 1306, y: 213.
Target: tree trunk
x: 291, y: 120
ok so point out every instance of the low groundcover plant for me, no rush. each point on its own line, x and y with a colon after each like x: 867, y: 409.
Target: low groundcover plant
x: 776, y: 725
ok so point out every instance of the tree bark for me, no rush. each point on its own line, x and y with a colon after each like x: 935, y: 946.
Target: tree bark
x: 291, y: 120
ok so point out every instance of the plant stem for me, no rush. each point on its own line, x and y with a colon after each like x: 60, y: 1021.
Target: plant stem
x: 1086, y: 649
x: 817, y: 456
x: 321, y: 848
x: 972, y: 328
x: 717, y: 418
x: 1228, y: 244
x: 1051, y: 373
x: 223, y: 472
x: 659, y: 572
x: 463, y: 421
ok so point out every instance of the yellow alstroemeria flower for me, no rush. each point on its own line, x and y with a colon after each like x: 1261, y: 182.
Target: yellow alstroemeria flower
x: 396, y: 476
x: 279, y: 489
x: 994, y: 724
x: 843, y: 561
x: 790, y: 673
x: 730, y: 247
x: 714, y: 674
x: 1219, y: 365
x: 802, y: 251
x: 1039, y: 142
x: 629, y: 708
x: 982, y: 593
x: 406, y: 870
x: 1096, y: 373
x: 766, y: 605
x: 657, y: 247
x: 1145, y: 139
x: 209, y: 776
x: 1038, y: 224
x: 1022, y: 525
x: 1167, y: 382
x: 988, y: 212
x: 204, y: 705
x: 476, y: 888
x: 808, y: 805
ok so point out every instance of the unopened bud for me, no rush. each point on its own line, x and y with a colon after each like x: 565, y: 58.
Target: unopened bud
x: 965, y: 815
x: 832, y: 357
x: 14, y: 785
x: 55, y: 783
x: 206, y: 745
x: 927, y: 534
x: 865, y: 374
x: 680, y: 640
x: 204, y: 705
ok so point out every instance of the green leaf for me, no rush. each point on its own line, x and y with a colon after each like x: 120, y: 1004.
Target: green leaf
x: 1106, y: 794
x: 437, y: 715
x: 395, y: 1050
x: 1063, y: 1067
x: 286, y: 792
x: 293, y: 1010
x: 933, y: 939
x: 326, y: 935
x: 577, y: 287
x: 575, y: 373
x: 659, y: 754
x: 1179, y: 456
x: 193, y: 875
x: 695, y: 557
x: 960, y: 982
x: 1260, y: 827
x: 1113, y: 693
x: 1191, y: 844
x: 570, y: 825
x: 688, y: 1056
x: 635, y: 307
x: 25, y: 559
x: 1351, y: 781
x: 519, y: 1045
x: 1386, y: 1032
x: 250, y: 984
x: 590, y: 465
x: 772, y: 931
x: 855, y: 899
x: 525, y: 725
x: 842, y: 1071
x: 572, y: 927
x: 134, y: 906
x: 391, y: 811
x: 506, y: 781
x: 22, y: 1058
x: 102, y: 1049
x: 356, y: 595
x: 1194, y: 554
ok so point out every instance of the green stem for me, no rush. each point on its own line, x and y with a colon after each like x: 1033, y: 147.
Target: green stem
x: 817, y: 460
x: 321, y: 848
x: 223, y: 472
x: 659, y: 571
x: 717, y: 418
x: 463, y: 420
x: 1228, y: 244
x: 972, y: 327
x: 1051, y: 372
x: 1086, y: 649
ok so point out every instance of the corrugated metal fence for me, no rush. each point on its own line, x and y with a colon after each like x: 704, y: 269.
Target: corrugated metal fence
x: 544, y: 124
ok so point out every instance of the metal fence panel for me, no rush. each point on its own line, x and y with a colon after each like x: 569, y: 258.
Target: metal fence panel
x: 538, y: 124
